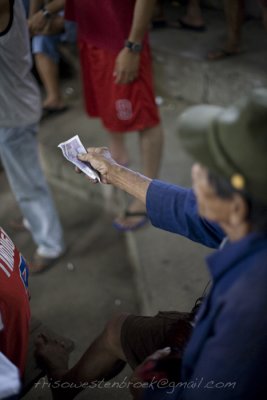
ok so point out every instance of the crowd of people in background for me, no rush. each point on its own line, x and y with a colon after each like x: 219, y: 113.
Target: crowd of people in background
x: 223, y: 338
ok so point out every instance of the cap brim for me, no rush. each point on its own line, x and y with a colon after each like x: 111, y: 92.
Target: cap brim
x: 194, y: 128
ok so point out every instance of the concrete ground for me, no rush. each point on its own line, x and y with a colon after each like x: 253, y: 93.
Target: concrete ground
x: 183, y: 71
x: 104, y: 271
x: 87, y: 286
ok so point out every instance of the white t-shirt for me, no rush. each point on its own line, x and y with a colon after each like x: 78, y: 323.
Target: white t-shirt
x: 9, y: 375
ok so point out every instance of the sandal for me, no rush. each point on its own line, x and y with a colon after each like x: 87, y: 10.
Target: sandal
x: 180, y: 24
x: 221, y: 54
x: 139, y: 224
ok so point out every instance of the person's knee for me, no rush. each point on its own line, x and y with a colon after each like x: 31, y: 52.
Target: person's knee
x: 112, y: 335
x: 46, y: 45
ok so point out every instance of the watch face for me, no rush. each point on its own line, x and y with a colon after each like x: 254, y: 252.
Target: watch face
x: 136, y: 47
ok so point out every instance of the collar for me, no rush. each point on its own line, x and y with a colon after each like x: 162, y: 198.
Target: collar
x: 233, y: 252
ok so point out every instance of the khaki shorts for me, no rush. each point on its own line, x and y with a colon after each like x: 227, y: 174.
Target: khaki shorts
x: 142, y: 336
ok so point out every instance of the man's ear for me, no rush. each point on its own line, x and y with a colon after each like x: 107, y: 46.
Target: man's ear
x: 239, y: 210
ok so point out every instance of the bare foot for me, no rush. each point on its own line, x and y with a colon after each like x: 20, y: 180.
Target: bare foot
x: 53, y: 357
x: 224, y: 52
x: 54, y: 103
x: 195, y: 22
x: 135, y: 217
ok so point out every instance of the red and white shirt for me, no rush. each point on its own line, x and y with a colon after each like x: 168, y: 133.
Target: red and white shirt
x: 14, y: 303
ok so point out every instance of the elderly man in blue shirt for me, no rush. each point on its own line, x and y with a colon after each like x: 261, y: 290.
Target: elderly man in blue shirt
x: 224, y: 354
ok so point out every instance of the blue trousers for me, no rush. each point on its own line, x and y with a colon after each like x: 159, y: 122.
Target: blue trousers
x: 20, y: 159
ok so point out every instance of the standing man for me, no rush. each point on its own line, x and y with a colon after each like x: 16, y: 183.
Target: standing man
x: 117, y: 80
x: 19, y: 116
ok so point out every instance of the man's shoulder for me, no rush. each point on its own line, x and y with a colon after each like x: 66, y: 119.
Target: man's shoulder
x: 250, y: 287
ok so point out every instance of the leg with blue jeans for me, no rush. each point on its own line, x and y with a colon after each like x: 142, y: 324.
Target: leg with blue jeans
x: 19, y: 155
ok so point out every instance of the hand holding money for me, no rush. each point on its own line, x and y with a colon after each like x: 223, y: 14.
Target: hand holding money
x: 113, y: 173
x: 100, y: 159
x: 71, y: 149
x: 99, y: 166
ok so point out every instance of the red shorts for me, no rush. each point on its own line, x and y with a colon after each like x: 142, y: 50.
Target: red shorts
x: 122, y: 108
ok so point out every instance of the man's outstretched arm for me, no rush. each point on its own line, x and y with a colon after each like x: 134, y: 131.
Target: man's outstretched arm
x: 169, y: 207
x: 115, y: 174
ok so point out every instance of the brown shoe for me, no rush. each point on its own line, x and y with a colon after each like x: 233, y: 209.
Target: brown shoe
x: 17, y: 225
x: 41, y: 264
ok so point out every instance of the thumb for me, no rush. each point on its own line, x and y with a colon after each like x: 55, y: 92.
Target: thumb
x: 82, y: 157
x: 160, y: 353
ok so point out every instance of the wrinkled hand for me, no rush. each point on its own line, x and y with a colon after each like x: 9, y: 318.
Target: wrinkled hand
x: 126, y: 66
x: 100, y: 159
x: 37, y: 23
x: 145, y: 372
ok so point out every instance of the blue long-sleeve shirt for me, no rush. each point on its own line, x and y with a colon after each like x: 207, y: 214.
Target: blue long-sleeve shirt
x: 174, y: 209
x: 226, y: 357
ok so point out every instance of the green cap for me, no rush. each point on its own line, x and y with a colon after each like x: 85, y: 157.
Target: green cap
x: 231, y: 141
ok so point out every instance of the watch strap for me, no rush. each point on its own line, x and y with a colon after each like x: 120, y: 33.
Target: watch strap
x: 46, y: 13
x: 134, y: 47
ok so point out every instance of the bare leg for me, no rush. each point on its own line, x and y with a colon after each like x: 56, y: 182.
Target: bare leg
x: 158, y: 10
x: 158, y: 19
x: 263, y: 5
x: 48, y: 72
x: 104, y: 359
x: 118, y: 148
x: 151, y: 144
x: 234, y: 12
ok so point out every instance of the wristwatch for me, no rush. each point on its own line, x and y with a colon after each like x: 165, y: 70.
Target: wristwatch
x: 134, y: 47
x: 46, y: 13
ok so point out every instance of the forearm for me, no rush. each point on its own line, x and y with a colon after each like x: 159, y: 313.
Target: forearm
x: 142, y: 15
x: 53, y: 7
x: 35, y: 6
x: 129, y: 181
x: 115, y: 174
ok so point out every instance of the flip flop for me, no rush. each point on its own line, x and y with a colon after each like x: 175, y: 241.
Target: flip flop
x: 53, y: 111
x: 139, y: 224
x: 180, y: 24
x: 220, y: 54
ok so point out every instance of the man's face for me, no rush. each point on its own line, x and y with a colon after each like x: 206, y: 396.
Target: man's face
x: 210, y: 205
